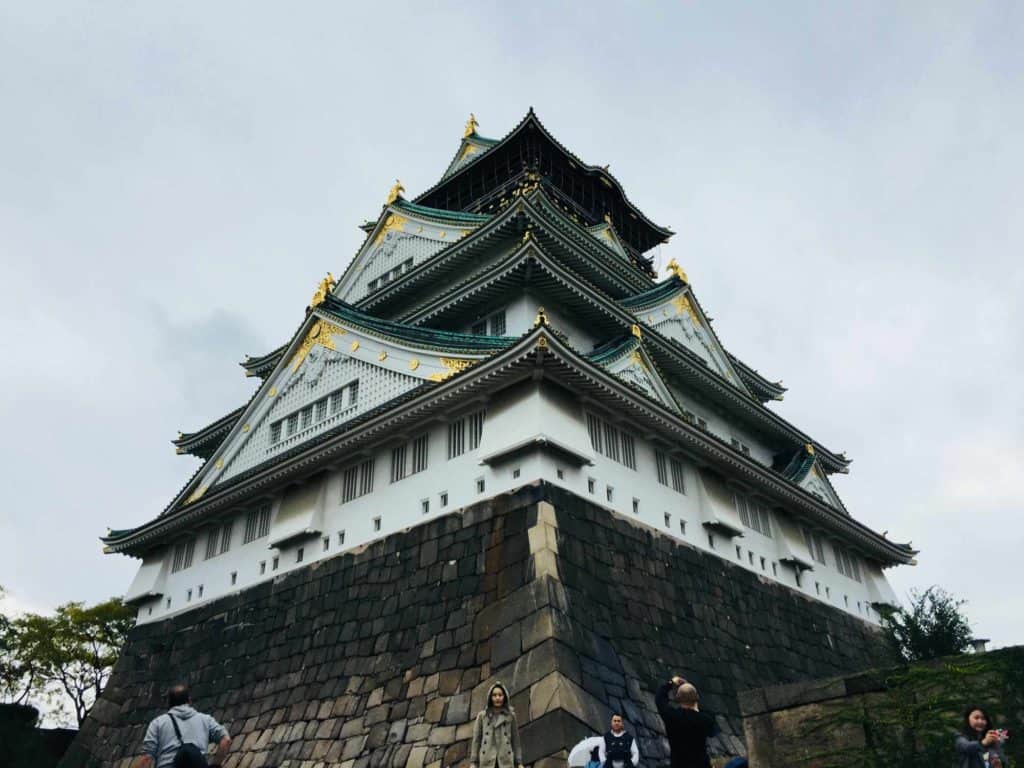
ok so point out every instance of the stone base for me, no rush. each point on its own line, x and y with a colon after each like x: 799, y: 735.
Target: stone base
x: 380, y: 657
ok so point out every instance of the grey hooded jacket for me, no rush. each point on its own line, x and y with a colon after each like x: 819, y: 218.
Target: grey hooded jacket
x: 495, y: 742
x: 162, y: 744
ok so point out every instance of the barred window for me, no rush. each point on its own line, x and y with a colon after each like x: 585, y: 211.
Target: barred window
x: 661, y: 464
x: 678, y: 478
x: 479, y: 328
x: 628, y: 451
x: 594, y: 427
x: 257, y: 524
x: 753, y: 515
x: 456, y: 438
x: 498, y: 324
x: 476, y: 429
x: 183, y: 552
x: 366, y: 477
x: 212, y: 542
x: 397, y: 463
x: 611, y: 442
x: 349, y: 484
x: 419, y: 454
x: 225, y: 536
x: 814, y: 545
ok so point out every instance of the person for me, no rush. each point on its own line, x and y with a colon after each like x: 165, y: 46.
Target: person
x: 180, y: 728
x: 978, y: 745
x: 618, y: 748
x: 495, y: 742
x: 686, y: 727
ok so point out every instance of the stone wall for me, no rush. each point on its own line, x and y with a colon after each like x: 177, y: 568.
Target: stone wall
x: 869, y: 717
x: 379, y: 657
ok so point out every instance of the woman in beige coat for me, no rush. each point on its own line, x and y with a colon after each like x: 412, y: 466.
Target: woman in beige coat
x: 495, y: 741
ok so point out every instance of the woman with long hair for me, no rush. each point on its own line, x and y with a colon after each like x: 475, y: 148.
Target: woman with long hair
x: 495, y: 741
x: 978, y: 745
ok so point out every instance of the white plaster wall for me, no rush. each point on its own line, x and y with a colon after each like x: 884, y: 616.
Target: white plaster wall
x: 399, y: 505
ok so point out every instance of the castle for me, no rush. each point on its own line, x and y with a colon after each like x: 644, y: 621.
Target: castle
x: 503, y: 336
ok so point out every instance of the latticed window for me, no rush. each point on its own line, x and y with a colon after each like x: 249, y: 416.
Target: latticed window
x: 257, y: 524
x: 183, y: 553
x: 353, y: 392
x: 212, y: 542
x: 594, y: 428
x: 476, y: 429
x: 456, y: 438
x: 419, y: 454
x: 293, y: 424
x: 498, y: 324
x: 225, y: 536
x: 321, y: 409
x: 814, y: 545
x: 275, y: 432
x: 479, y: 328
x: 753, y: 515
x: 337, y: 401
x: 661, y: 464
x: 628, y: 451
x: 397, y: 463
x: 307, y: 416
x: 611, y: 442
x: 678, y: 477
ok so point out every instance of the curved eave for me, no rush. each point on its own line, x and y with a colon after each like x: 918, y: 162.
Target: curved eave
x: 262, y: 365
x: 441, y: 215
x: 531, y: 121
x: 550, y: 223
x: 539, y: 351
x: 204, y: 442
x: 427, y: 338
x: 687, y: 363
x: 769, y: 390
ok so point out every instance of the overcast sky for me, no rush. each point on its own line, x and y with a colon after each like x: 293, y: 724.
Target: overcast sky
x: 845, y: 184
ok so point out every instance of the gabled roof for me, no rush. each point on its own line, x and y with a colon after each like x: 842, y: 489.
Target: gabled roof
x: 640, y: 231
x: 535, y: 213
x: 469, y: 148
x: 395, y: 216
x: 541, y: 353
x: 627, y: 359
x: 608, y: 315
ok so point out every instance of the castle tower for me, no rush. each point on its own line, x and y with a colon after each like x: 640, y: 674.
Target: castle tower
x: 499, y: 446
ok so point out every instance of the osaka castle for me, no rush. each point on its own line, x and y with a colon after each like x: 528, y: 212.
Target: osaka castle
x: 505, y: 328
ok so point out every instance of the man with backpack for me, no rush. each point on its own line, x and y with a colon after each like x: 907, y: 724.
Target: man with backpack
x: 179, y: 738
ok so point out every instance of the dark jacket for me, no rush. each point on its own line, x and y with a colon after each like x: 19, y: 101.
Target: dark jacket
x: 969, y: 753
x: 687, y: 731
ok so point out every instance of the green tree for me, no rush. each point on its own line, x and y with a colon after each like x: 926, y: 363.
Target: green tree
x: 71, y: 652
x: 16, y: 674
x: 933, y: 625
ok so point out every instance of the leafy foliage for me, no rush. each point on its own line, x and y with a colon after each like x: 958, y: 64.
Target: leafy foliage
x: 71, y: 653
x: 912, y: 721
x: 933, y: 626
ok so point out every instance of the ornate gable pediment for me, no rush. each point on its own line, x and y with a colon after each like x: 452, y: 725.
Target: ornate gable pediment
x: 404, y: 236
x: 676, y: 315
x: 332, y: 373
x: 630, y: 362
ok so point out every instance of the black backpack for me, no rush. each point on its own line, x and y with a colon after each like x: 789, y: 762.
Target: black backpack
x: 188, y: 755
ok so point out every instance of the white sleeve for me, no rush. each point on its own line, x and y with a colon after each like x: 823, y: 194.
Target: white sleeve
x: 635, y: 752
x: 600, y: 752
